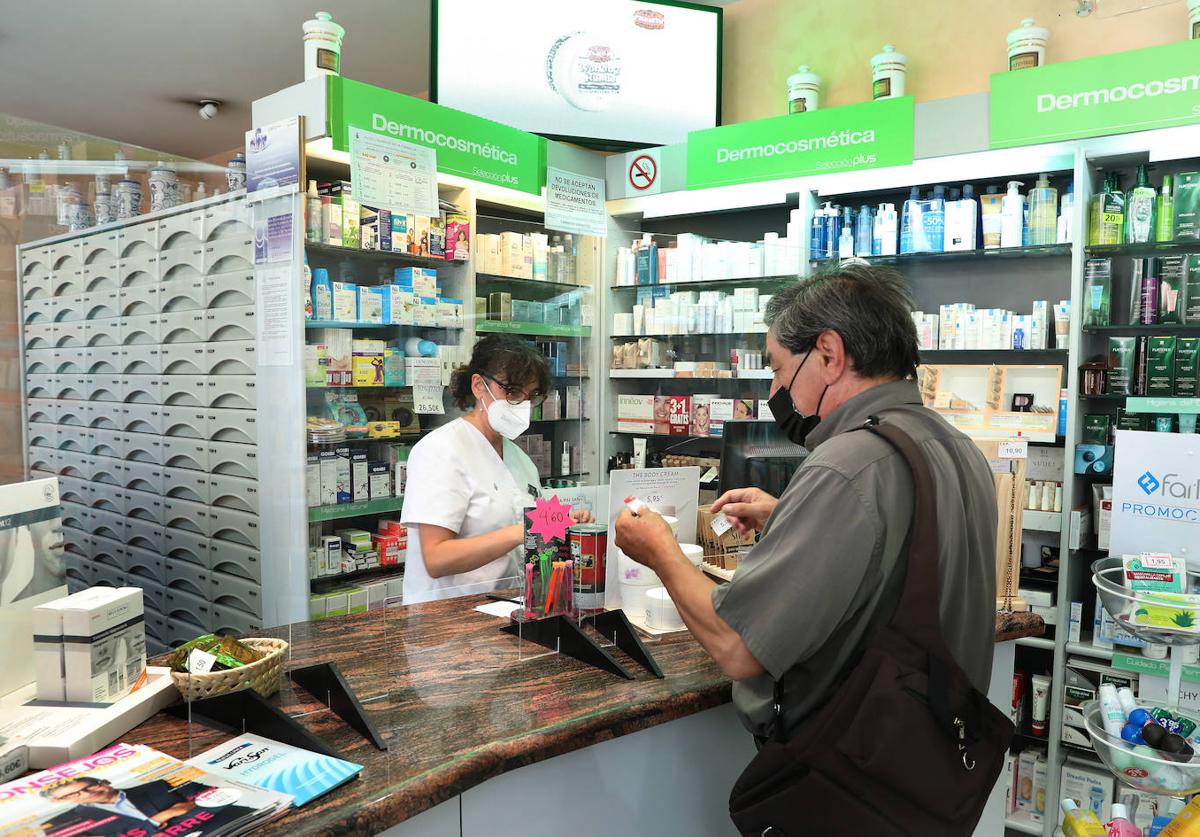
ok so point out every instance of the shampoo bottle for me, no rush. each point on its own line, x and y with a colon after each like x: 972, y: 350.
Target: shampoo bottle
x: 322, y: 295
x: 1139, y: 209
x: 1106, y: 215
x: 864, y: 232
x: 1043, y: 213
x: 912, y: 207
x: 1165, y: 213
x: 1066, y: 215
x: 1012, y: 216
x: 885, y: 231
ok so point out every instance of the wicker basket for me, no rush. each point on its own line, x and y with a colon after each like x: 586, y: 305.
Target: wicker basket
x: 262, y: 676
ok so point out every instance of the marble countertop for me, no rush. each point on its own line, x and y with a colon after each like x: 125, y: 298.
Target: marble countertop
x: 459, y: 702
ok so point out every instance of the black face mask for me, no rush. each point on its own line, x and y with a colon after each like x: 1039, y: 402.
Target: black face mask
x: 795, y: 425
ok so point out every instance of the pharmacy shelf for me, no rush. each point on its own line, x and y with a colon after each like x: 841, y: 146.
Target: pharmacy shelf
x: 745, y: 375
x: 1107, y: 396
x: 518, y: 284
x: 1041, y: 521
x: 319, y: 514
x: 1137, y: 328
x: 1041, y: 251
x: 359, y: 386
x: 1162, y: 404
x: 559, y: 420
x: 531, y: 329
x: 381, y: 573
x: 1036, y: 642
x: 1023, y: 826
x: 1013, y: 354
x: 731, y: 334
x: 1153, y: 248
x: 399, y: 437
x: 1088, y: 650
x: 355, y: 325
x: 712, y: 284
x: 333, y: 251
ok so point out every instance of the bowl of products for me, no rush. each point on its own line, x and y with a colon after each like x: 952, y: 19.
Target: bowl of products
x: 212, y: 665
x: 1155, y: 748
x: 1150, y: 595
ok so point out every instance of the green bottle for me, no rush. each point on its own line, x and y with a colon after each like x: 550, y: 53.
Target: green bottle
x: 1166, y: 210
x: 1106, y: 222
x: 1139, y: 209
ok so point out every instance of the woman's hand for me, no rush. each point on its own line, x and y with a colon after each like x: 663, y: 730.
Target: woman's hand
x: 581, y: 516
x: 646, y: 538
x: 746, y: 508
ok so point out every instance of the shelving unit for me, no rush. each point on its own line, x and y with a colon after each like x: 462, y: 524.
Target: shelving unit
x: 532, y: 329
x: 362, y: 508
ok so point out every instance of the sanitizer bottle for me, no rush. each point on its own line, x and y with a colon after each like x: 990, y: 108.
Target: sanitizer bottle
x: 1043, y: 213
x: 1012, y: 216
x: 864, y: 232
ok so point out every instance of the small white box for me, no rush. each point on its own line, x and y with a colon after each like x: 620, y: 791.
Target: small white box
x: 104, y: 643
x: 1026, y: 766
x: 312, y: 480
x: 360, y: 484
x: 345, y: 302
x: 635, y: 413
x: 1091, y: 789
x: 329, y: 477
x: 370, y: 304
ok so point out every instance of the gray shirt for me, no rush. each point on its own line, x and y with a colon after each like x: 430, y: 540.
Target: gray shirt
x: 828, y: 568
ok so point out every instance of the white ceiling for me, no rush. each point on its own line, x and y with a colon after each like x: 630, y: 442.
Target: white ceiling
x: 115, y: 68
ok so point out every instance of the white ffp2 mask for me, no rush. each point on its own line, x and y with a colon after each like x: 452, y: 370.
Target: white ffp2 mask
x: 509, y: 420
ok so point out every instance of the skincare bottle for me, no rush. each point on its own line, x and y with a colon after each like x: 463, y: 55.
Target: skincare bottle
x: 990, y: 209
x: 1120, y: 825
x: 816, y: 244
x: 833, y: 229
x: 1165, y: 214
x: 565, y: 460
x: 1139, y: 209
x: 1043, y: 213
x: 934, y: 217
x: 308, y: 298
x: 864, y: 231
x: 846, y: 241
x: 1027, y: 45
x: 1106, y: 221
x: 312, y: 213
x: 910, y: 220
x: 1012, y: 216
x: 1066, y: 215
x: 961, y: 219
x: 322, y: 295
x: 884, y: 243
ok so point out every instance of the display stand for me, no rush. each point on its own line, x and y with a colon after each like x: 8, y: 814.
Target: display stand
x: 563, y: 636
x: 247, y: 711
x: 325, y: 682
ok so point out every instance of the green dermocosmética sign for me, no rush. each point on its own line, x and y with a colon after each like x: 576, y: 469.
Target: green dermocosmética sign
x: 1156, y: 87
x: 468, y: 146
x: 864, y: 136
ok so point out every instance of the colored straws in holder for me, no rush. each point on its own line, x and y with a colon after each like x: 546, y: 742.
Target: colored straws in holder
x: 548, y: 587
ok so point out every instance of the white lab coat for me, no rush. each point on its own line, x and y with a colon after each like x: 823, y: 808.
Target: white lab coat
x: 456, y: 481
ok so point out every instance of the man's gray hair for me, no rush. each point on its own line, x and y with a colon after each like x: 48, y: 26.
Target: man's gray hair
x: 868, y: 306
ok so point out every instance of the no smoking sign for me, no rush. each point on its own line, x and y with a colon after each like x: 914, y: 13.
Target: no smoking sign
x: 643, y: 173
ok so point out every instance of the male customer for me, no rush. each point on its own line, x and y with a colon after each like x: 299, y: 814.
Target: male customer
x: 830, y: 564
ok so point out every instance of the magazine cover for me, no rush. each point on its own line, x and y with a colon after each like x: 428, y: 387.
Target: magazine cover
x: 302, y: 774
x: 130, y: 790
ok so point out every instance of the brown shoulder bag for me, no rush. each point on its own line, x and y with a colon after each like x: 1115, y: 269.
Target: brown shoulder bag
x: 906, y: 746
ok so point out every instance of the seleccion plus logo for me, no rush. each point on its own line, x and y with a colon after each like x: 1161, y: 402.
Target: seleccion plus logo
x: 1148, y: 482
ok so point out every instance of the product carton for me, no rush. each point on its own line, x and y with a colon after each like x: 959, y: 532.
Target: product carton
x: 635, y: 413
x: 721, y: 412
x: 345, y: 302
x: 1091, y: 788
x: 458, y: 237
x: 375, y: 228
x: 1026, y: 766
x: 342, y: 469
x: 672, y: 415
x: 329, y: 475
x: 312, y: 480
x: 360, y: 482
x: 107, y: 653
x: 1187, y: 205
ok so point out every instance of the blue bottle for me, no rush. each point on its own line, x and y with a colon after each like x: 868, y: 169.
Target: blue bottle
x: 816, y: 245
x: 934, y: 218
x: 322, y: 295
x: 864, y: 232
x: 833, y: 229
x: 910, y: 215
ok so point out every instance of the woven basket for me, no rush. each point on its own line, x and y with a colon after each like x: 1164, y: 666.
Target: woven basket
x: 262, y: 676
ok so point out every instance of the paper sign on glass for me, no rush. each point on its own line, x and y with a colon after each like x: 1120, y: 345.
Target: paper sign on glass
x: 575, y: 203
x: 392, y: 174
x: 427, y: 400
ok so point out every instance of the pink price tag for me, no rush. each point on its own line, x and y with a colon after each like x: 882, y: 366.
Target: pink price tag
x: 549, y: 518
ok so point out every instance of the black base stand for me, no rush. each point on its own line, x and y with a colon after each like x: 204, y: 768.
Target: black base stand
x: 247, y: 711
x: 325, y: 682
x: 615, y: 624
x: 560, y: 634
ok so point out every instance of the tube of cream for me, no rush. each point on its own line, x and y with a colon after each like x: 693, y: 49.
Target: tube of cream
x: 639, y: 453
x: 1040, y: 684
x: 1062, y: 324
x: 1110, y: 707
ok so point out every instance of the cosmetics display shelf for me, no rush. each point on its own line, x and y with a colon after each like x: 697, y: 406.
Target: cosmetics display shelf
x: 531, y: 329
x: 522, y: 285
x: 746, y: 375
x: 1023, y: 825
x: 401, y: 437
x: 334, y: 251
x: 1036, y: 642
x: 1138, y: 328
x: 1040, y: 251
x: 1007, y: 354
x: 384, y: 505
x: 730, y: 334
x: 1041, y: 521
x: 1152, y: 248
x: 712, y: 284
x: 355, y: 325
x: 1106, y: 396
x: 382, y: 573
x: 325, y: 387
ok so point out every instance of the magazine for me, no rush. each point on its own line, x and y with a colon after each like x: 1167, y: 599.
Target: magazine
x: 273, y: 765
x: 130, y: 790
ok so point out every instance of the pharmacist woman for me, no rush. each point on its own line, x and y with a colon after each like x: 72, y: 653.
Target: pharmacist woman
x: 468, y: 485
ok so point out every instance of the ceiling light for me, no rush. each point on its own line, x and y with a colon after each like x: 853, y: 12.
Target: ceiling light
x: 209, y: 108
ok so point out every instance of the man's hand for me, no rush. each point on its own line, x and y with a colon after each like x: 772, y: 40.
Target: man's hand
x: 646, y: 538
x: 176, y: 810
x: 746, y: 508
x: 581, y: 516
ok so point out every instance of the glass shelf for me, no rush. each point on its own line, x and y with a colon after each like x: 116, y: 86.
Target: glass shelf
x: 1108, y: 396
x: 713, y: 283
x: 532, y: 329
x: 519, y: 285
x: 335, y: 251
x: 1150, y: 248
x: 1043, y: 250
x: 762, y: 333
x: 1138, y: 328
x: 380, y: 573
x: 1006, y: 353
x: 670, y: 374
x: 318, y: 514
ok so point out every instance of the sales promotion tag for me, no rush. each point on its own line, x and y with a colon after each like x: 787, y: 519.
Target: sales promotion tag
x: 427, y: 400
x: 720, y: 525
x: 1014, y: 450
x: 550, y: 519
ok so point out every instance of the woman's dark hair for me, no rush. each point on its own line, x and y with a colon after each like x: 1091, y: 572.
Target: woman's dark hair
x: 868, y: 306
x: 502, y: 358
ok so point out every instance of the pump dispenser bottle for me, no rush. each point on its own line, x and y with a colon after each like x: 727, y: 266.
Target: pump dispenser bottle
x: 1043, y: 213
x: 1012, y: 216
x: 1139, y: 209
x: 1165, y: 220
x: 846, y: 236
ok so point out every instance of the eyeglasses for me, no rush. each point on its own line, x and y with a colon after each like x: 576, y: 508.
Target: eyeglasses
x: 516, y: 395
x: 84, y: 789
